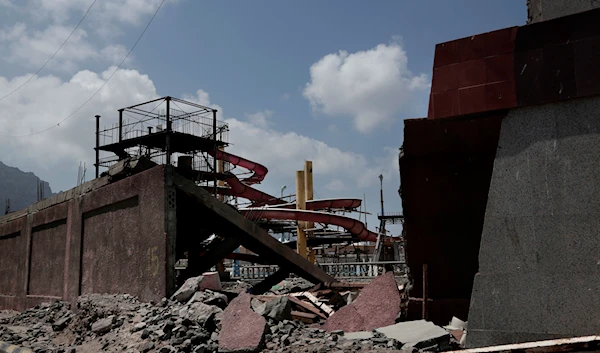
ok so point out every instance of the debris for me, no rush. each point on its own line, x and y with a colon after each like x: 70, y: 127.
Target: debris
x: 419, y: 334
x: 377, y: 305
x: 243, y: 329
x: 61, y: 323
x: 307, y: 306
x: 279, y: 309
x: 103, y: 325
x: 187, y: 290
x: 304, y: 317
x: 316, y: 301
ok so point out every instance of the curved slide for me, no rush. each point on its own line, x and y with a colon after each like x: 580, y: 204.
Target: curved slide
x: 275, y: 208
x: 259, y: 171
x: 353, y: 226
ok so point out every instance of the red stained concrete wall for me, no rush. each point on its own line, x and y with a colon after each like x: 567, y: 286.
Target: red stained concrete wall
x: 111, y: 240
x: 445, y: 173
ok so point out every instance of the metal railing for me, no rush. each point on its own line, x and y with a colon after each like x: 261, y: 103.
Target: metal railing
x: 362, y: 269
x: 257, y: 271
x: 338, y: 270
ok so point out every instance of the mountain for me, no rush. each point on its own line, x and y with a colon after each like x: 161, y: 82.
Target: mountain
x: 20, y: 187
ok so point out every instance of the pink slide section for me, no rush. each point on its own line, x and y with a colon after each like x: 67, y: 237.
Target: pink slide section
x: 259, y: 170
x: 275, y: 208
x: 351, y: 225
x: 324, y: 204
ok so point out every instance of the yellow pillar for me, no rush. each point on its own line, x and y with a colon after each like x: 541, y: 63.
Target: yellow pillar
x: 300, y: 205
x: 309, y: 192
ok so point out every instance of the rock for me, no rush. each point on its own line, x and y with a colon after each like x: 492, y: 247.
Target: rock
x: 201, y: 348
x: 71, y: 350
x: 419, y: 334
x: 145, y: 334
x: 146, y: 347
x: 279, y: 309
x: 186, y: 345
x: 103, y: 325
x: 61, y: 323
x: 167, y: 349
x: 202, y: 314
x: 377, y: 305
x: 187, y: 290
x: 217, y: 299
x: 243, y: 329
x: 138, y: 327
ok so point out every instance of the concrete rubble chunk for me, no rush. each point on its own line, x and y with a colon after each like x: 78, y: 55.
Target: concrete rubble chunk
x: 279, y: 309
x: 103, y: 325
x: 377, y: 305
x: 243, y: 329
x: 419, y: 334
x: 187, y: 290
x: 200, y: 313
x: 61, y: 323
x: 359, y: 335
x: 258, y: 306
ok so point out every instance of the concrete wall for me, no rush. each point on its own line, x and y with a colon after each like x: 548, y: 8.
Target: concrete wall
x: 544, y: 10
x: 445, y: 172
x: 110, y: 240
x: 539, y: 259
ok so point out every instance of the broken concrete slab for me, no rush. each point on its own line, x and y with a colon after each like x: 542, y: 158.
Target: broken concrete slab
x: 347, y: 319
x: 359, y: 335
x: 211, y: 281
x: 377, y: 305
x: 103, y: 325
x: 279, y: 309
x: 187, y: 290
x: 418, y: 334
x: 242, y: 329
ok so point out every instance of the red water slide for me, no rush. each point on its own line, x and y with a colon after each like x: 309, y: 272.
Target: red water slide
x: 258, y: 170
x: 353, y: 226
x: 282, y: 210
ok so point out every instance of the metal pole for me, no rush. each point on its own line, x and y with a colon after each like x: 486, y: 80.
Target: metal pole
x: 97, y: 145
x: 381, y: 192
x: 168, y: 137
x: 309, y: 195
x: 215, y: 148
x: 120, y: 125
x: 425, y: 292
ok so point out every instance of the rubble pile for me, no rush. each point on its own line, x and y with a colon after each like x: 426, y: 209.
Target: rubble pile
x: 199, y: 320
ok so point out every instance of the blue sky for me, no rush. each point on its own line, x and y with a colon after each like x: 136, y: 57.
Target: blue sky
x: 253, y: 60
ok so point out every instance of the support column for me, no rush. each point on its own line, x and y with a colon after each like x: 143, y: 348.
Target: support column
x: 97, y: 146
x: 425, y: 292
x: 300, y: 205
x: 120, y: 125
x: 169, y: 128
x: 309, y: 195
x: 221, y: 170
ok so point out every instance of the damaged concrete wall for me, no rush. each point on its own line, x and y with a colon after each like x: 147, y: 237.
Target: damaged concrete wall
x: 544, y: 10
x: 110, y: 240
x: 540, y: 251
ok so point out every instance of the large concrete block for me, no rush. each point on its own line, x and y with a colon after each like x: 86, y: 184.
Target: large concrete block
x: 539, y: 258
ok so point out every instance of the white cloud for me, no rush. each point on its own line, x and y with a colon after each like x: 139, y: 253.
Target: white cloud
x: 103, y: 13
x: 260, y: 119
x: 33, y: 48
x: 285, y: 96
x: 370, y: 87
x: 51, y: 22
x: 49, y: 99
x: 336, y: 185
